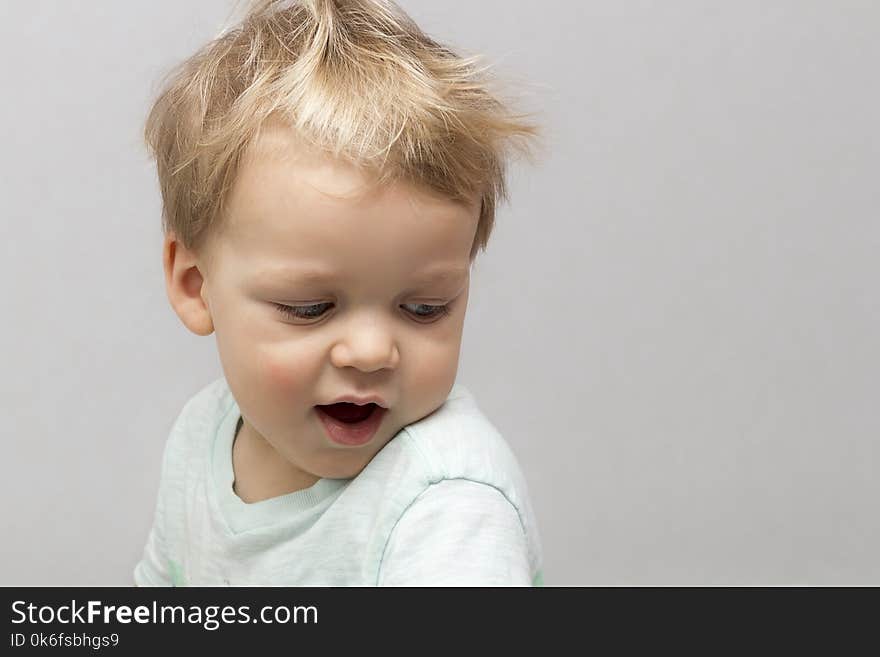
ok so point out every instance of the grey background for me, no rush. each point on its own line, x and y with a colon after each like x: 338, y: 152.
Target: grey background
x: 675, y: 325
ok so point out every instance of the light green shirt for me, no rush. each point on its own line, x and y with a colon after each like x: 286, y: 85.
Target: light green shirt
x: 443, y: 503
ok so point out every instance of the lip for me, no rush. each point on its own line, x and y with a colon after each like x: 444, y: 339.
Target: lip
x: 360, y: 400
x: 352, y: 435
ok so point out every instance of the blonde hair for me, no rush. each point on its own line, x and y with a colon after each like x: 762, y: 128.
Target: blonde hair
x: 357, y: 79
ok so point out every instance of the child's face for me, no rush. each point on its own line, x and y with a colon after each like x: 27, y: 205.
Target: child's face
x: 367, y: 330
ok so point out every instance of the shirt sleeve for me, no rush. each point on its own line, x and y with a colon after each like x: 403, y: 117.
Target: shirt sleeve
x: 457, y: 533
x: 153, y: 568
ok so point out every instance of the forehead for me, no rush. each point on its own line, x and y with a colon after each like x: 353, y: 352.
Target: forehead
x: 292, y: 205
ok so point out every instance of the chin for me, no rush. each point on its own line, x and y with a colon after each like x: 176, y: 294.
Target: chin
x: 341, y: 467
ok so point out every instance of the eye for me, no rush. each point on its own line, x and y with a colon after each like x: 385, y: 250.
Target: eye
x: 312, y: 311
x: 426, y: 311
x: 422, y: 312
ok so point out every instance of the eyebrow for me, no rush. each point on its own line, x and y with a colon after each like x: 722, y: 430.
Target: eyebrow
x: 439, y: 273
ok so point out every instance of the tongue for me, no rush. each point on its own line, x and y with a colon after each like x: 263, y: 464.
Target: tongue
x: 346, y: 412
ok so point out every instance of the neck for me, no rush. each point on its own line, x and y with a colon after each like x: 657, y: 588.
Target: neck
x: 260, y: 472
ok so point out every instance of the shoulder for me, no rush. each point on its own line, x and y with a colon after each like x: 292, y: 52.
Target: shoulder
x: 462, y: 499
x: 210, y: 401
x: 458, y: 441
x: 459, y: 532
x: 454, y: 468
x: 199, y: 419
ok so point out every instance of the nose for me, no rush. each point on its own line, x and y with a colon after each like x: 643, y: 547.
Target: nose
x: 367, y: 344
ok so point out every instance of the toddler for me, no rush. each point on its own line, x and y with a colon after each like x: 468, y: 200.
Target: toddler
x: 328, y: 174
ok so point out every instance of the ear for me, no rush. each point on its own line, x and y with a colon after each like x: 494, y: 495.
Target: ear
x: 185, y: 286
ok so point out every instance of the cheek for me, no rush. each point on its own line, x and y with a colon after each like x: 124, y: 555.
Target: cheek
x: 280, y: 375
x: 283, y: 374
x: 434, y: 371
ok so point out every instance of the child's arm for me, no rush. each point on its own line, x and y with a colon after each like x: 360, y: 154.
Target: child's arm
x: 457, y: 533
x: 152, y: 569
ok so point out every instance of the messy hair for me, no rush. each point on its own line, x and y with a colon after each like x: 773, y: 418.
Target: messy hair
x: 357, y: 79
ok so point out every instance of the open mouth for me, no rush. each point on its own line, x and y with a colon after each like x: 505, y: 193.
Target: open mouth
x: 350, y: 424
x: 349, y: 413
